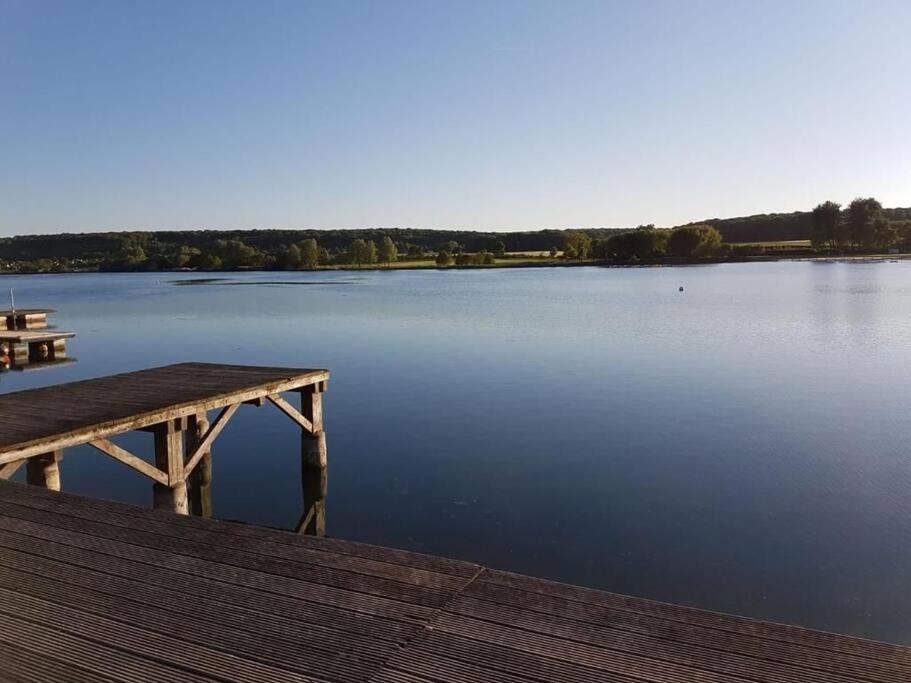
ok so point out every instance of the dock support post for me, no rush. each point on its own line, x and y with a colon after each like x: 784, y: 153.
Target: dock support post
x: 44, y: 470
x: 313, y: 444
x: 315, y: 485
x: 314, y: 462
x: 200, y: 479
x: 169, y: 458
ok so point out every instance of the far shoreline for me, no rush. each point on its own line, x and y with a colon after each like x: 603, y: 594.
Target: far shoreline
x: 663, y: 261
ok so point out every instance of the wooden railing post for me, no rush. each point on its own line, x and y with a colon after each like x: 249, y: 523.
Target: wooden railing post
x: 169, y: 459
x: 44, y: 470
x: 200, y: 479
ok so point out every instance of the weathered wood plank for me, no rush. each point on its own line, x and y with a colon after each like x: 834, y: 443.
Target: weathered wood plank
x: 79, y: 412
x: 103, y: 591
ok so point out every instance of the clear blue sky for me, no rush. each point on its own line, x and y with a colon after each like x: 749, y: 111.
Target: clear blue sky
x: 488, y: 115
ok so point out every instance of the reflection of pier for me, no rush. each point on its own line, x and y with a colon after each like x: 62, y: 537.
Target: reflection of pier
x: 26, y: 342
x: 173, y: 403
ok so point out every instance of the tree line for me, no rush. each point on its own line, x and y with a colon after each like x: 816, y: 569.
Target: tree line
x: 863, y: 226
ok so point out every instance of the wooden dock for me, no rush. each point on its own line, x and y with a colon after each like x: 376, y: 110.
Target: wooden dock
x: 24, y: 318
x: 173, y: 403
x: 92, y: 590
x: 97, y: 591
x: 25, y: 340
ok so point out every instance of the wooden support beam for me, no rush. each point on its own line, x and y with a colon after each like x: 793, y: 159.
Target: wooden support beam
x: 315, y: 488
x: 313, y: 441
x: 10, y: 468
x: 203, y: 446
x: 169, y: 458
x: 127, y: 458
x: 292, y: 412
x: 199, y: 480
x: 43, y: 470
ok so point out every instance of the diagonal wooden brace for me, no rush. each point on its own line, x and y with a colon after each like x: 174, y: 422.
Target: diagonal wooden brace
x: 123, y: 455
x: 205, y: 444
x: 292, y: 412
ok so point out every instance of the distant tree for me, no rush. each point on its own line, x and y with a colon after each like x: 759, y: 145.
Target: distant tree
x: 825, y: 231
x: 444, y: 258
x: 132, y: 252
x: 310, y: 254
x: 205, y: 261
x: 370, y: 251
x: 292, y: 258
x: 235, y: 253
x: 357, y: 252
x: 325, y: 256
x: 388, y: 251
x: 553, y: 252
x: 885, y: 233
x: 694, y: 240
x: 643, y: 242
x: 862, y: 214
x: 451, y: 246
x: 576, y: 244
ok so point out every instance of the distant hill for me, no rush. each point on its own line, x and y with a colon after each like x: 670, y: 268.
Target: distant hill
x: 775, y: 227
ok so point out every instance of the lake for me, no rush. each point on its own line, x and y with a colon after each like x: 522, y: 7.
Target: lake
x: 740, y: 446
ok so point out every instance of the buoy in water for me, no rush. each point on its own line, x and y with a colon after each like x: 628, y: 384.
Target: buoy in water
x: 680, y: 288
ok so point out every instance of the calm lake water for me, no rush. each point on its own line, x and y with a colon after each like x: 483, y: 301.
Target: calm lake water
x: 742, y: 446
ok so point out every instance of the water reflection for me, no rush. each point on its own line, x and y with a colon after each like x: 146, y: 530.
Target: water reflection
x: 314, y: 490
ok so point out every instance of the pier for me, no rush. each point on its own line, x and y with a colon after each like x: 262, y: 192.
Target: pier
x: 93, y: 590
x: 26, y: 342
x: 171, y: 402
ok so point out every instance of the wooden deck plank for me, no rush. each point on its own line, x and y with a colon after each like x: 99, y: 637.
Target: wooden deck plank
x: 270, y: 545
x: 584, y: 597
x: 440, y: 565
x: 78, y: 412
x: 229, y: 556
x: 91, y: 590
x: 492, y: 603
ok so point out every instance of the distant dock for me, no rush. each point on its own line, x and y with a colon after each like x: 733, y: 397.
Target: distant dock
x: 92, y: 590
x: 26, y: 341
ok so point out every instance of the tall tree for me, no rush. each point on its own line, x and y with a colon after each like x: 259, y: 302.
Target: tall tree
x: 825, y: 232
x: 388, y: 250
x: 694, y: 240
x: 576, y: 244
x: 370, y: 251
x: 862, y: 216
x: 357, y: 252
x: 309, y: 250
